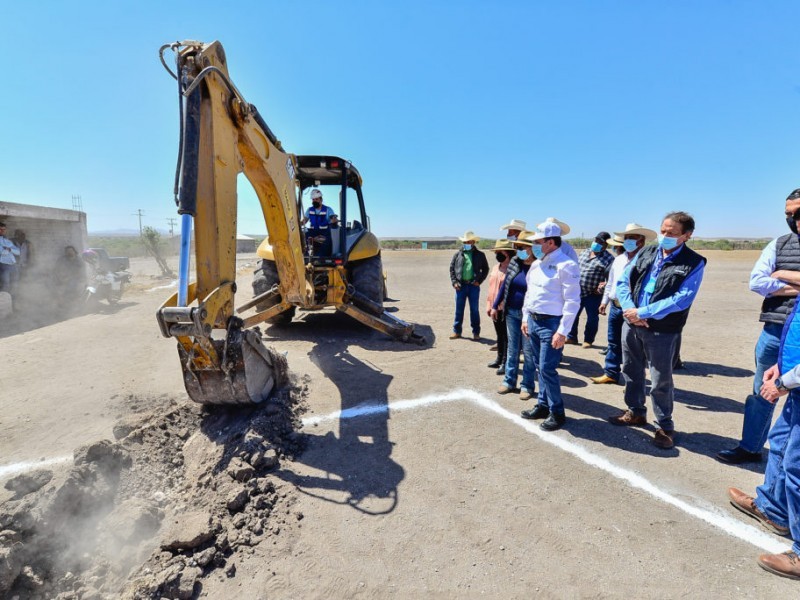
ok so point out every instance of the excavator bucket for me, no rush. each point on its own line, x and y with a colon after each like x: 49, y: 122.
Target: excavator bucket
x: 250, y: 371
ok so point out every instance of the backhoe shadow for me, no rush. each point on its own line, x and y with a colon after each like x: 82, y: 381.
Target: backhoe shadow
x: 355, y: 468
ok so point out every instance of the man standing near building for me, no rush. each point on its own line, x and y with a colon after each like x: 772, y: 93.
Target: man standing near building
x: 776, y: 276
x: 551, y: 303
x: 594, y: 263
x: 8, y: 260
x: 468, y: 269
x: 655, y: 293
x: 777, y: 502
x: 634, y: 238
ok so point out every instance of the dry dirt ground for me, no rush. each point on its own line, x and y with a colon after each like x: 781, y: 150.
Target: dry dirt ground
x: 443, y: 494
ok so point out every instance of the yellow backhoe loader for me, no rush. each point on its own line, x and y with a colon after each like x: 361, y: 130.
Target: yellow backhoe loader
x: 221, y: 135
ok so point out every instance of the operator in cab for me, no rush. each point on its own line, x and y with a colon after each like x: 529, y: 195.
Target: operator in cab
x: 318, y: 233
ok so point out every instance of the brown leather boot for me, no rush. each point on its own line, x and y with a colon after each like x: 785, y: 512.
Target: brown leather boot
x: 785, y: 565
x: 747, y: 504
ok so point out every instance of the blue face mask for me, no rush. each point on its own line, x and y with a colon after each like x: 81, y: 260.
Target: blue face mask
x: 596, y: 247
x: 537, y: 251
x: 523, y: 254
x: 666, y: 242
x: 467, y: 247
x: 629, y: 245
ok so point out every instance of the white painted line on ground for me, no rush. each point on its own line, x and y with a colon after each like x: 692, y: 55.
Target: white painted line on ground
x: 30, y: 465
x: 718, y: 519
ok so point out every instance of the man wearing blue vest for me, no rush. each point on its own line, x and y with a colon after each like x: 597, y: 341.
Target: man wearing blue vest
x: 655, y: 293
x: 775, y: 276
x: 318, y: 217
x: 777, y: 502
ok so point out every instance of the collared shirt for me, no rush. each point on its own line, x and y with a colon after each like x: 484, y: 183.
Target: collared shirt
x: 617, y: 268
x: 594, y: 270
x: 680, y: 300
x: 761, y: 281
x: 8, y: 250
x: 554, y: 289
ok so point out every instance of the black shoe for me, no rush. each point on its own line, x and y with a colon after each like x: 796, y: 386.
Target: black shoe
x: 738, y: 455
x: 539, y: 412
x: 553, y: 422
x: 501, y: 371
x: 494, y: 364
x: 604, y: 351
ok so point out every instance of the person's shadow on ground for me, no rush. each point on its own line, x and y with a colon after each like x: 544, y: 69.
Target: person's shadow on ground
x: 356, y: 467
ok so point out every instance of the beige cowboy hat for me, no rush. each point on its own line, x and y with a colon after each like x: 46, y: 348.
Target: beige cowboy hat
x: 615, y: 241
x: 469, y: 236
x: 563, y: 226
x: 515, y: 224
x: 503, y: 245
x: 636, y: 229
x: 523, y: 238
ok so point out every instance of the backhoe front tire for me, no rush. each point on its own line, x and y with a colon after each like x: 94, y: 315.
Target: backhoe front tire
x: 265, y: 277
x: 367, y: 277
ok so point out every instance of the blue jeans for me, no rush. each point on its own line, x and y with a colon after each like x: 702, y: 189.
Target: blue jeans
x: 642, y: 348
x: 472, y: 293
x: 614, y: 354
x: 591, y: 304
x: 779, y: 496
x: 757, y: 411
x: 547, y: 358
x: 515, y: 340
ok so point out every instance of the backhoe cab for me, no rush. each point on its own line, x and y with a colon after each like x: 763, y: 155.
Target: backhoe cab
x: 222, y: 135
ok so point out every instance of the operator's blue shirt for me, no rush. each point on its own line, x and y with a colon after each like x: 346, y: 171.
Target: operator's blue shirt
x: 319, y: 218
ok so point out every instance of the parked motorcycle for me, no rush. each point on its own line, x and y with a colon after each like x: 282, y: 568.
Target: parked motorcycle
x: 106, y: 286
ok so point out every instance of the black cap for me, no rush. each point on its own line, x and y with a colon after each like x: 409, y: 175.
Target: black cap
x: 602, y: 237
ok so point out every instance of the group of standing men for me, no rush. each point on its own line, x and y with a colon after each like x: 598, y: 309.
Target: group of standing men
x: 539, y: 287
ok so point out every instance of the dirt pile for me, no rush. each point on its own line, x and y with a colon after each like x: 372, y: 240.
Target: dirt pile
x: 174, y: 499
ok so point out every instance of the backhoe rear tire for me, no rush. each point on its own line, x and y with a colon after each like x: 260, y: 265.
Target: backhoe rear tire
x: 367, y: 277
x: 265, y: 277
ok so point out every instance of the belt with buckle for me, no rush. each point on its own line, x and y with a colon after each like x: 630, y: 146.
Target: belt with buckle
x: 616, y: 303
x: 541, y: 316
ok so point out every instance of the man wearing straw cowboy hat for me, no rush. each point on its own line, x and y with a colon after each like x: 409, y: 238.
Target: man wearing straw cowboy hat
x: 655, y: 292
x: 513, y: 229
x: 468, y: 269
x: 633, y: 239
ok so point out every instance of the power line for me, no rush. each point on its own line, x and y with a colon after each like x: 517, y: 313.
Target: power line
x: 140, y: 214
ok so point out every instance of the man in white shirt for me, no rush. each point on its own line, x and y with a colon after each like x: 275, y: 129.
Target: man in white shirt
x: 634, y: 238
x: 551, y: 304
x: 8, y: 260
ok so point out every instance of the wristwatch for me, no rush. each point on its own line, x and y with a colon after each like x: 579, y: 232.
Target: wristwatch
x: 779, y: 385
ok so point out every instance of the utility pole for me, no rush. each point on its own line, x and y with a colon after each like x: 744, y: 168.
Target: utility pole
x: 172, y: 221
x: 140, y: 214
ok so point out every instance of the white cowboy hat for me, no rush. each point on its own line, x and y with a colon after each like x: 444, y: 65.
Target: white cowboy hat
x: 515, y: 224
x: 469, y: 236
x: 636, y: 229
x: 545, y: 230
x: 615, y: 241
x: 563, y: 226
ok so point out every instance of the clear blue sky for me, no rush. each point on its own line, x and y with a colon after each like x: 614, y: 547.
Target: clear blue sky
x: 459, y: 115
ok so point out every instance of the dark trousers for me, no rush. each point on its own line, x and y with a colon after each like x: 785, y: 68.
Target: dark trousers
x: 502, y: 337
x: 591, y: 304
